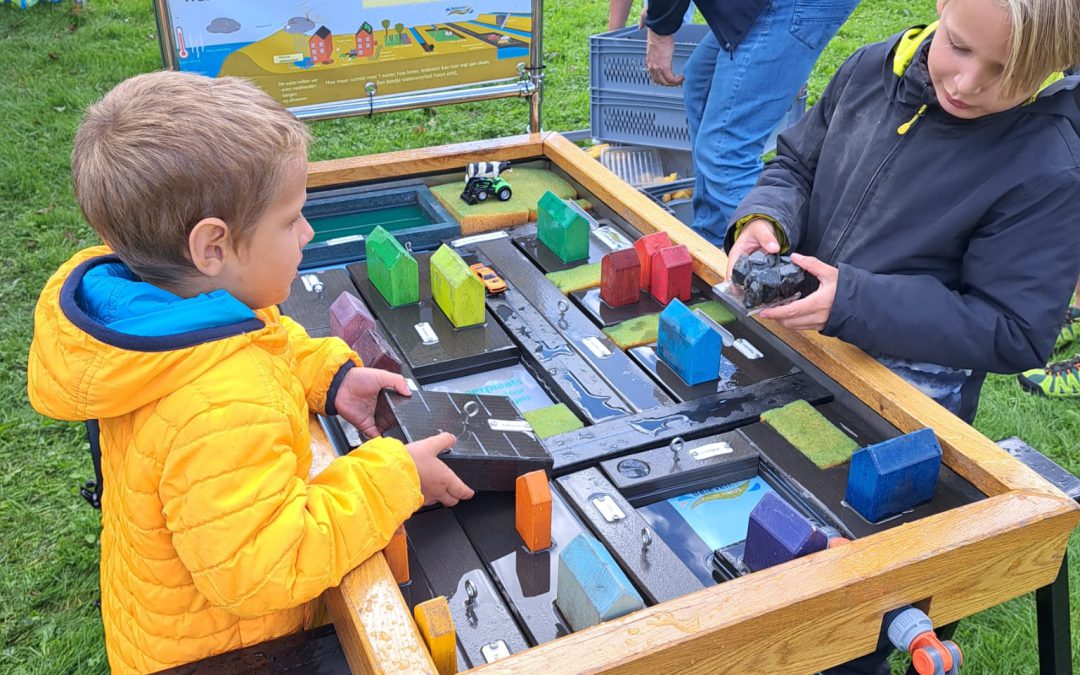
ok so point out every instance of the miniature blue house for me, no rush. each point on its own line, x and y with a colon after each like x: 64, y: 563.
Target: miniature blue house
x: 591, y: 587
x: 893, y: 476
x: 778, y: 533
x: 688, y: 345
x: 563, y: 227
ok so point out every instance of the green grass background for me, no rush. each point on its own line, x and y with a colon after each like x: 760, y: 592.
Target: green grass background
x: 52, y: 65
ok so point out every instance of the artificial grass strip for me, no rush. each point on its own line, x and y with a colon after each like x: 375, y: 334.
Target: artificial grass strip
x: 715, y: 310
x: 576, y: 278
x: 528, y: 185
x: 552, y: 420
x: 808, y: 430
x: 643, y: 330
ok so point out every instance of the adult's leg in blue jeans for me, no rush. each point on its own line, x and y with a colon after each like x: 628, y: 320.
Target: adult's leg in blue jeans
x: 735, y: 100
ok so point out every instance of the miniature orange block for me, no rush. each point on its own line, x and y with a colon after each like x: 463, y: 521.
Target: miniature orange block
x: 437, y: 628
x: 397, y: 556
x: 532, y: 510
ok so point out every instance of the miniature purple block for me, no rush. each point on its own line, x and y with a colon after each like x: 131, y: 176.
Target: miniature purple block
x: 375, y: 353
x: 778, y: 533
x: 350, y: 318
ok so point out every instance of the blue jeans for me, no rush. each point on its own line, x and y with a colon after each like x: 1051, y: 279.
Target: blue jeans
x: 735, y: 100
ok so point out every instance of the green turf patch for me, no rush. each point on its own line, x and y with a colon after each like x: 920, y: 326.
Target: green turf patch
x: 643, y: 330
x: 528, y: 185
x: 552, y: 420
x: 814, y: 436
x: 577, y: 278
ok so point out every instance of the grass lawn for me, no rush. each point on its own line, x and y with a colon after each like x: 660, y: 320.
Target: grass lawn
x: 52, y: 65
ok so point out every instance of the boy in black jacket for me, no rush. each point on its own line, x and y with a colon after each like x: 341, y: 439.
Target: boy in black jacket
x: 934, y: 192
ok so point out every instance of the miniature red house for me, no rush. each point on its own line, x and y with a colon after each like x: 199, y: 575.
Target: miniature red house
x: 672, y: 274
x: 646, y: 247
x: 620, y: 277
x: 321, y: 45
x: 365, y: 44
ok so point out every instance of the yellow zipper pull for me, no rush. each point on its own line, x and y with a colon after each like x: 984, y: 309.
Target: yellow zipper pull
x: 906, y: 126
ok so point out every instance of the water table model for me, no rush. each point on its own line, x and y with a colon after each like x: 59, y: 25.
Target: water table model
x: 661, y: 480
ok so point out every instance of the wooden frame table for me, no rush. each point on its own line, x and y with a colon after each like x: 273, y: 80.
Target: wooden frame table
x: 800, y: 617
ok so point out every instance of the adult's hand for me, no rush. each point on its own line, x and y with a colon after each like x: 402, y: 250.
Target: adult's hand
x: 659, y: 52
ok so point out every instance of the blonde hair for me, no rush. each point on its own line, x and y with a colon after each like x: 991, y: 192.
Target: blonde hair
x: 1045, y: 40
x: 164, y: 150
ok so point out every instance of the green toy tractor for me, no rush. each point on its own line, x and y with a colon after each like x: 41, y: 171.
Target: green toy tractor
x: 478, y: 189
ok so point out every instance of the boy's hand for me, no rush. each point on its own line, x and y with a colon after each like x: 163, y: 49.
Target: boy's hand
x: 437, y: 482
x: 358, y: 393
x: 811, y: 312
x: 757, y: 235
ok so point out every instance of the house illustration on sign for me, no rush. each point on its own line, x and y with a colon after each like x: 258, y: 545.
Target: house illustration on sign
x: 365, y: 43
x: 321, y: 45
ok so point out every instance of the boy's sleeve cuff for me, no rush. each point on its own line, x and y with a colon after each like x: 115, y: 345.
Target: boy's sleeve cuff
x: 738, y: 225
x: 335, y: 384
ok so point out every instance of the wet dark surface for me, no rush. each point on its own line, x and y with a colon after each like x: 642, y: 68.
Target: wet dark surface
x: 309, y: 304
x: 736, y: 370
x: 576, y: 329
x: 458, y: 349
x: 314, y: 652
x: 452, y: 568
x: 566, y: 371
x: 541, y: 256
x: 693, y: 419
x: 657, y: 572
x: 528, y: 579
x: 494, y: 445
x: 680, y: 467
x: 828, y: 486
x: 606, y: 315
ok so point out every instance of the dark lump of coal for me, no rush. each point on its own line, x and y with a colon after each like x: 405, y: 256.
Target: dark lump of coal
x: 765, y: 278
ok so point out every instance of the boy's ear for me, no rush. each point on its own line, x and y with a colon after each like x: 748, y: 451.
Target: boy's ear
x: 209, y: 246
x: 940, y: 6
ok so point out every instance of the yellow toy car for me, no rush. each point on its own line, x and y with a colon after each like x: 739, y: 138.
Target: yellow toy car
x: 492, y: 282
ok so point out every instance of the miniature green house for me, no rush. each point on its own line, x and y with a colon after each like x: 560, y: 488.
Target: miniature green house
x: 392, y: 269
x: 457, y: 291
x: 562, y: 228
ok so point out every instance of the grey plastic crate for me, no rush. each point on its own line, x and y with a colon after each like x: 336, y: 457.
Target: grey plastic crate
x: 634, y: 120
x: 659, y: 122
x: 617, y: 60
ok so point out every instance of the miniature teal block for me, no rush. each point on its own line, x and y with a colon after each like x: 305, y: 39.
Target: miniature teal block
x: 591, y: 587
x: 563, y: 227
x: 457, y: 291
x: 688, y: 345
x: 893, y: 476
x: 777, y: 533
x: 392, y: 269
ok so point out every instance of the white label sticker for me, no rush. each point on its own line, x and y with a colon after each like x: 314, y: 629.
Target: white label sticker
x: 427, y: 333
x: 608, y: 508
x: 612, y: 238
x: 748, y: 350
x: 596, y: 347
x: 711, y: 450
x: 312, y: 283
x: 477, y: 238
x: 345, y: 240
x: 412, y: 384
x: 495, y: 651
x: 510, y: 425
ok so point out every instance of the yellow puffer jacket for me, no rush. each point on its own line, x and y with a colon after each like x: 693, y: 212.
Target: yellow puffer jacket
x: 213, y: 536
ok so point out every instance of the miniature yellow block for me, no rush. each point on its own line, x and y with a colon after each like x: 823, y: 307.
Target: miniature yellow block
x: 437, y: 628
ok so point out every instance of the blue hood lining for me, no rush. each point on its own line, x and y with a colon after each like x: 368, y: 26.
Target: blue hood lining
x: 234, y: 317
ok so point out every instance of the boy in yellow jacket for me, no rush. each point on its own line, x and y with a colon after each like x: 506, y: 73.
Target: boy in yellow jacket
x: 213, y: 535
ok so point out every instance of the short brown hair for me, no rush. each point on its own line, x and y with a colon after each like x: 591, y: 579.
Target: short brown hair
x: 1045, y: 39
x: 164, y: 150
